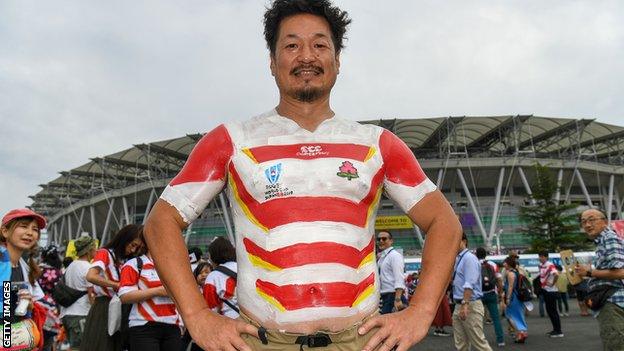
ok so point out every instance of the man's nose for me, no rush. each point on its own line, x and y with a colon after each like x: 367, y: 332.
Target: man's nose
x: 307, y: 54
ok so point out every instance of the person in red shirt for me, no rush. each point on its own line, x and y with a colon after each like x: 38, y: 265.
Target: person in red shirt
x: 104, y: 275
x: 154, y: 323
x: 220, y: 286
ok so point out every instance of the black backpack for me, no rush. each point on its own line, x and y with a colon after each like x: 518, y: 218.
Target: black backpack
x: 523, y: 288
x: 488, y: 277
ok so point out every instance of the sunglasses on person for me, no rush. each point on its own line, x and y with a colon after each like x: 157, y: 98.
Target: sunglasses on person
x: 383, y: 238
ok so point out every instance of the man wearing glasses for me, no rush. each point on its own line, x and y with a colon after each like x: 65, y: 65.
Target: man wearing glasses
x: 390, y: 264
x: 609, y: 270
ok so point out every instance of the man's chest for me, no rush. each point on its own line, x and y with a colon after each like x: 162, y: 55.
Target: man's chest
x: 347, y: 170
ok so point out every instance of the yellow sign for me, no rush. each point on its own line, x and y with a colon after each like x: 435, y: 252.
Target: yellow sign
x: 393, y: 222
x: 70, y: 251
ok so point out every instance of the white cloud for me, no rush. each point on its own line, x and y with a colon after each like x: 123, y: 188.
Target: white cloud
x: 89, y: 78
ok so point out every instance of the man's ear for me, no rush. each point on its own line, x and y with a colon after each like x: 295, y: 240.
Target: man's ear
x: 272, y: 65
x: 338, y: 63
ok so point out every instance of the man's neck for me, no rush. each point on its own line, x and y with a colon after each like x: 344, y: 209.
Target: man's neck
x: 307, y: 115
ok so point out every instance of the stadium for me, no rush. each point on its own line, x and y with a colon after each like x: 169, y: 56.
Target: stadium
x: 483, y: 165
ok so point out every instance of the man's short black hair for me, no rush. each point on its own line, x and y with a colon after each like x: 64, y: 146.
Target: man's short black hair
x: 481, y: 253
x: 280, y: 9
x: 385, y: 231
x: 465, y: 238
x: 543, y: 253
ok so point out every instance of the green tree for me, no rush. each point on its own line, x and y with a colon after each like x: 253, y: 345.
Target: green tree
x: 552, y: 226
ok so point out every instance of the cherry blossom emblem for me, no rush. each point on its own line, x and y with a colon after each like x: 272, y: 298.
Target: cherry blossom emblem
x: 347, y: 171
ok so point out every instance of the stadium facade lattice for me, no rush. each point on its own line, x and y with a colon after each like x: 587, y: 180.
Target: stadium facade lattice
x: 484, y: 166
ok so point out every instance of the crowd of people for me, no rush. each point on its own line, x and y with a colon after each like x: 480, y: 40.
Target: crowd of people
x: 107, y: 298
x: 484, y: 292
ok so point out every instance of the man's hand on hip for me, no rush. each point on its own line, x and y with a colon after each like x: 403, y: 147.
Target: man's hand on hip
x: 394, y: 331
x: 214, y: 332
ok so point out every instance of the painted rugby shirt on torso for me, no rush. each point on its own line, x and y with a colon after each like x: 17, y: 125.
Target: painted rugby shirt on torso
x: 304, y: 207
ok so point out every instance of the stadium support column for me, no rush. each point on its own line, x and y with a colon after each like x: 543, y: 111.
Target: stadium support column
x: 60, y: 233
x: 618, y: 204
x: 226, y: 217
x: 56, y: 233
x: 559, y: 184
x: 150, y: 201
x: 111, y: 205
x: 460, y: 175
x: 80, y: 218
x: 526, y: 184
x: 583, y: 187
x: 69, y: 228
x: 125, y: 209
x: 187, y: 233
x: 499, y: 188
x: 440, y: 179
x: 93, y: 226
x: 610, y: 197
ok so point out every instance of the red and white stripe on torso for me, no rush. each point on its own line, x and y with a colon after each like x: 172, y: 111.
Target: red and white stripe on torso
x: 219, y: 286
x: 157, y: 309
x: 104, y: 260
x: 304, y: 206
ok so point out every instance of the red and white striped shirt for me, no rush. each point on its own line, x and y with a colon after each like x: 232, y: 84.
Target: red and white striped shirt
x: 157, y: 309
x: 221, y: 286
x: 304, y: 206
x: 547, y: 274
x: 104, y: 260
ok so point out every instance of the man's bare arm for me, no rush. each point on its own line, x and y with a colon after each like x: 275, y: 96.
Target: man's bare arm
x: 163, y: 234
x: 434, y: 215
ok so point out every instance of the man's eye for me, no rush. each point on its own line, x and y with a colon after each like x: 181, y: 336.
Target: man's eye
x: 291, y: 46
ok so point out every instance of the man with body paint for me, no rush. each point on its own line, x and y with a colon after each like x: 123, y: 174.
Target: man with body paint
x: 304, y: 185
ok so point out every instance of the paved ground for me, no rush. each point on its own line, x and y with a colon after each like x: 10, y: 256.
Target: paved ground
x: 581, y: 333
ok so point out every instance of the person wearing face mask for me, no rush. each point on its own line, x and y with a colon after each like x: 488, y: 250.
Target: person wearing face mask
x: 104, y: 274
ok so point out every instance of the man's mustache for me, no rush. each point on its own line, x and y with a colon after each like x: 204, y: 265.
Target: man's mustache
x: 315, y: 69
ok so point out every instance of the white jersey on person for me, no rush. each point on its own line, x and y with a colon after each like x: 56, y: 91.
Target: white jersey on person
x: 76, y: 277
x: 547, y: 273
x: 156, y: 309
x: 304, y: 206
x: 108, y: 269
x: 391, y: 268
x: 219, y: 287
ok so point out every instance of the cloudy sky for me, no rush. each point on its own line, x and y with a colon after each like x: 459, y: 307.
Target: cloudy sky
x: 81, y: 79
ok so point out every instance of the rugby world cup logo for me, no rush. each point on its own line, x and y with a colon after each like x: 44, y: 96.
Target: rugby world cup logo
x: 273, y: 173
